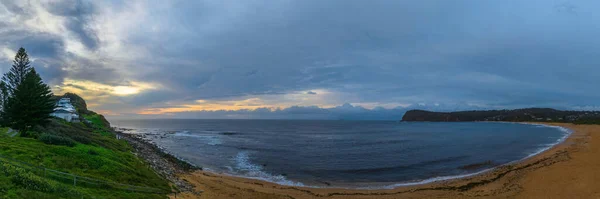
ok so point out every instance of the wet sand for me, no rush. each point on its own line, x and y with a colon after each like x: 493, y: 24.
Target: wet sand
x: 568, y: 170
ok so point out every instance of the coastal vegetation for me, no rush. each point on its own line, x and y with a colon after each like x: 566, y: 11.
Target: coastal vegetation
x: 28, y: 99
x: 32, y: 142
x: 517, y: 115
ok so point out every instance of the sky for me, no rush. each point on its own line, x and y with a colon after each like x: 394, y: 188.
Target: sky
x: 309, y: 59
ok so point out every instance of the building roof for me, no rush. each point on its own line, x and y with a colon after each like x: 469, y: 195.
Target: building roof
x: 64, y: 106
x: 61, y: 111
x: 64, y: 109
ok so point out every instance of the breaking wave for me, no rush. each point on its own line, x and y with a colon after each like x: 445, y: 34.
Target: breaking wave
x: 245, y: 168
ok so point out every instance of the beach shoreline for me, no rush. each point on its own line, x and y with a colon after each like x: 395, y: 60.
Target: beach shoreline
x: 501, y: 181
x: 392, y: 185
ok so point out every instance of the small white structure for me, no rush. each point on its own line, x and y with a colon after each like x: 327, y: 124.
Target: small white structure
x: 65, y: 110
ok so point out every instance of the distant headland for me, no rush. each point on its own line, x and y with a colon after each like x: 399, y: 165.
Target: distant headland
x: 516, y: 115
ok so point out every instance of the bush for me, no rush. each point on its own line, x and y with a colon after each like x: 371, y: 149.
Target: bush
x: 92, y: 152
x: 81, y: 139
x: 30, y: 134
x: 56, y: 140
x: 30, y: 181
x: 6, y: 169
x: 25, y: 178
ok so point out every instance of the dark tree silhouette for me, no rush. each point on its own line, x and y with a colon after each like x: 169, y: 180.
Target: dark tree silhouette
x: 25, y: 99
x: 21, y: 66
x: 30, y: 104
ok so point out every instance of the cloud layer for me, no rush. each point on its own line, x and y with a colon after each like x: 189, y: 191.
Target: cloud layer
x: 193, y: 59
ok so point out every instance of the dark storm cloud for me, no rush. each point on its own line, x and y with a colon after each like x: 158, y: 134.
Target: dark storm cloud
x: 42, y: 45
x: 11, y: 6
x: 491, y: 53
x: 92, y: 70
x: 311, y: 44
x: 76, y: 86
x: 48, y: 50
x: 78, y: 15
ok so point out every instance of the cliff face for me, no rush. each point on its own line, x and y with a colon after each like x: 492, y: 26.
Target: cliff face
x: 517, y: 115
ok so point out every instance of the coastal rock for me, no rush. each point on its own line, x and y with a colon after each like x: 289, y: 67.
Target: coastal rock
x: 165, y: 164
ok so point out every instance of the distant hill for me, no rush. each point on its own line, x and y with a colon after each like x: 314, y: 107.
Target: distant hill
x: 517, y: 115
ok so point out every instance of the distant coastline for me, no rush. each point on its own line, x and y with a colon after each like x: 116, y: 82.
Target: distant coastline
x: 516, y: 115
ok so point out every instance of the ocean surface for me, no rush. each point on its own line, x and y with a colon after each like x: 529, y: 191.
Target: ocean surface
x: 358, y: 154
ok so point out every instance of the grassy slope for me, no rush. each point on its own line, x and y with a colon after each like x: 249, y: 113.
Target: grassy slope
x: 97, y: 155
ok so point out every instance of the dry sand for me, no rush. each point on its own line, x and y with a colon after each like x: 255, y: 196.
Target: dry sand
x: 568, y: 170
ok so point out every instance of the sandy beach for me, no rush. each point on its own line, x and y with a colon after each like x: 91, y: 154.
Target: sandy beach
x: 567, y: 170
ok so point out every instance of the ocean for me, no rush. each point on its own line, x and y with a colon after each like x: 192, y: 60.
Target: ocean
x: 353, y: 154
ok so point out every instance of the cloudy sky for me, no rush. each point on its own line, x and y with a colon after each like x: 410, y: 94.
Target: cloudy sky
x: 309, y: 58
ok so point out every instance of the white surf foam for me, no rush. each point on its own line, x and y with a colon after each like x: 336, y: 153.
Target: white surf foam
x: 253, y: 171
x: 566, y: 133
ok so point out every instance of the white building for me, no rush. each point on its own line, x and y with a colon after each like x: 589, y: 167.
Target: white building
x: 65, y: 110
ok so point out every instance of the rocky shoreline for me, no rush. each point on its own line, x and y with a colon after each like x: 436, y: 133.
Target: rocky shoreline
x: 165, y: 164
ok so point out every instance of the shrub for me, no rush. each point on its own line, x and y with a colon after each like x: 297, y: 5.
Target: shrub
x: 25, y: 178
x: 81, y: 139
x: 30, y: 181
x: 6, y: 169
x: 30, y: 134
x: 56, y: 140
x: 92, y: 152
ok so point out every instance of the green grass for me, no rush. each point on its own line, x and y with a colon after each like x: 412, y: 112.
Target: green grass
x: 101, y: 157
x: 96, y: 135
x: 99, y: 124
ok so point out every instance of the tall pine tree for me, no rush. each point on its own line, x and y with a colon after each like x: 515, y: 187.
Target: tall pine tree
x: 30, y: 103
x: 3, y: 95
x: 21, y: 66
